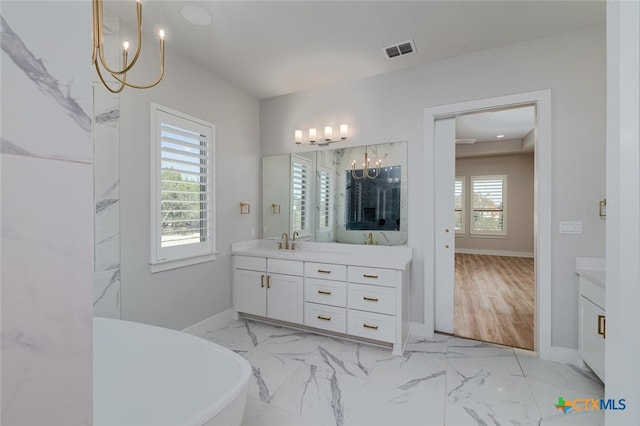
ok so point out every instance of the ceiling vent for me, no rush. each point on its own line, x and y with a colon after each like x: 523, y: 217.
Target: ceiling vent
x: 400, y: 49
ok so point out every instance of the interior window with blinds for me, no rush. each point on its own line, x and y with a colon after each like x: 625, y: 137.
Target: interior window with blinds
x: 325, y: 200
x: 182, y: 186
x: 459, y: 204
x: 489, y: 205
x: 300, y: 196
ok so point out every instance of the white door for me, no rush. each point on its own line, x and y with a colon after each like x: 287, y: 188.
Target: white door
x: 285, y: 298
x: 445, y: 169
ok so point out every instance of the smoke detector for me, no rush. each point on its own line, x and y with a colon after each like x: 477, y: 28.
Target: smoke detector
x: 400, y: 49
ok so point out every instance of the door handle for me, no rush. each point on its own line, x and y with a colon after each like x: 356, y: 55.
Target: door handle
x: 373, y: 327
x: 320, y: 317
x: 268, y: 281
x: 262, y: 281
x: 602, y: 325
x: 324, y: 292
x: 370, y: 299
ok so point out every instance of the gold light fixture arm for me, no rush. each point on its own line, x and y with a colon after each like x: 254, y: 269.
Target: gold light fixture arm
x: 98, y: 57
x: 367, y: 173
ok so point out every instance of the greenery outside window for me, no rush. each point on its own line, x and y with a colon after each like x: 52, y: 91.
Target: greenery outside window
x: 489, y: 205
x: 182, y: 189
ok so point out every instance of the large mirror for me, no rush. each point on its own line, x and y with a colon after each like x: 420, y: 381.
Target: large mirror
x: 355, y: 195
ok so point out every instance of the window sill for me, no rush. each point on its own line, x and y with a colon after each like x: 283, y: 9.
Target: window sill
x: 180, y: 263
x: 488, y: 236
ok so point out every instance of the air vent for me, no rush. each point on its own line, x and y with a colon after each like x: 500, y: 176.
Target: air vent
x: 400, y: 49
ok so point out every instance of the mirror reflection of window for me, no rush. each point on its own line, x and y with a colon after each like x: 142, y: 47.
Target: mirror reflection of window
x: 325, y: 200
x: 300, y: 196
x: 374, y: 204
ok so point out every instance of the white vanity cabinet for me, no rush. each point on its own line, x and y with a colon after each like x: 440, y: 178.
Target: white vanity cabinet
x: 270, y: 288
x: 357, y: 292
x: 592, y: 325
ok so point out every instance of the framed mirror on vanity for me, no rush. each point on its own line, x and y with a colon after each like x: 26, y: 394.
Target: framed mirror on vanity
x: 354, y: 195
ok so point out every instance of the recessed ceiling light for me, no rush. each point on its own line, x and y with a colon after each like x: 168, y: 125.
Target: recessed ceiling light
x: 500, y: 136
x: 196, y: 15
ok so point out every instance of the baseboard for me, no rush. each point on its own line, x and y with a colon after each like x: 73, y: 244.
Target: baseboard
x: 217, y: 321
x: 420, y: 330
x: 565, y: 355
x: 495, y: 252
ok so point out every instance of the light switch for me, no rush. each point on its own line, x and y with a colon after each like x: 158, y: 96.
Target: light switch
x: 571, y: 227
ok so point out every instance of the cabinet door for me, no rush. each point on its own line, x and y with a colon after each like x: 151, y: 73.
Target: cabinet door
x: 285, y: 298
x: 250, y: 292
x: 591, y: 343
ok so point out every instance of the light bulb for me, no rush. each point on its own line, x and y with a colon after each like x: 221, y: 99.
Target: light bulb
x: 298, y: 136
x: 125, y: 45
x: 344, y: 129
x: 161, y: 34
x: 312, y: 134
x: 328, y: 133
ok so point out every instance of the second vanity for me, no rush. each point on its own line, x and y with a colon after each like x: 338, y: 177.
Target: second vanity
x: 358, y: 292
x: 592, y: 312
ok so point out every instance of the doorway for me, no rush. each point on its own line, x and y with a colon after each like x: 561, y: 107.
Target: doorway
x: 494, y: 285
x: 439, y: 126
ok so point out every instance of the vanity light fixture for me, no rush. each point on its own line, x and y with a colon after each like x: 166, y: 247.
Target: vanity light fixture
x: 367, y: 172
x: 328, y: 135
x: 98, y: 57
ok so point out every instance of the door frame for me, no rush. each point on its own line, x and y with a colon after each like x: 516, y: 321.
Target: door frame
x: 542, y: 204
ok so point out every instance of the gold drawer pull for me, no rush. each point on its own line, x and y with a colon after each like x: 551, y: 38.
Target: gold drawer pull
x: 320, y: 317
x: 373, y: 327
x: 369, y: 276
x: 324, y: 292
x: 261, y: 281
x: 602, y: 324
x: 371, y: 299
x: 323, y: 271
x: 268, y: 281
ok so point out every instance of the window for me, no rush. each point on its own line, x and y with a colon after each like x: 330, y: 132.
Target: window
x: 182, y: 189
x: 459, y: 205
x: 489, y: 205
x: 325, y: 200
x: 300, y: 196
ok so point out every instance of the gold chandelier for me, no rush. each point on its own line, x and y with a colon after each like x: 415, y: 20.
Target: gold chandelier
x: 367, y: 172
x: 97, y: 55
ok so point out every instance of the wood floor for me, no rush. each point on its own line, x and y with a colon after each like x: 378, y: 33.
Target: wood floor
x: 494, y: 299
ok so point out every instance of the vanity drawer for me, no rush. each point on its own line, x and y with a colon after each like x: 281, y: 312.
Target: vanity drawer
x: 372, y: 326
x: 325, y: 317
x: 326, y: 271
x: 372, y: 298
x: 325, y: 291
x: 251, y: 263
x: 287, y: 267
x: 376, y: 276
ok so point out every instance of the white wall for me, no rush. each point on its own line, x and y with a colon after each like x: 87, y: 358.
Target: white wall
x: 622, y: 370
x: 181, y: 297
x: 390, y: 108
x: 47, y: 214
x: 519, y: 240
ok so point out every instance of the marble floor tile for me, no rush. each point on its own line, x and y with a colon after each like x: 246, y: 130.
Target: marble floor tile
x: 304, y: 379
x: 555, y: 373
x: 318, y: 395
x: 383, y: 405
x: 241, y: 335
x: 270, y: 371
x: 492, y: 396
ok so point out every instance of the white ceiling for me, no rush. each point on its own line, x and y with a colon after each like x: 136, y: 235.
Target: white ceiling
x: 271, y: 48
x: 514, y: 123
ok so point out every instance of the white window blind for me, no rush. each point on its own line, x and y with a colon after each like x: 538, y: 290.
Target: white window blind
x: 182, y: 186
x: 459, y: 203
x: 325, y: 202
x: 489, y: 205
x: 300, y: 196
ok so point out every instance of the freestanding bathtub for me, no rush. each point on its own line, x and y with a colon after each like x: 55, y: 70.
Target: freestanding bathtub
x: 146, y: 375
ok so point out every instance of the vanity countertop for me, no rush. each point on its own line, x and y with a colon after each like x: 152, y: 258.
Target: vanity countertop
x: 592, y: 269
x: 388, y: 257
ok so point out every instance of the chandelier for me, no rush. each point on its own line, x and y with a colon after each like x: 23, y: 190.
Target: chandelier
x: 97, y: 54
x: 367, y: 172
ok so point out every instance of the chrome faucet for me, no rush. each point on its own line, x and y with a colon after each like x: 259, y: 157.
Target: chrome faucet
x: 286, y: 240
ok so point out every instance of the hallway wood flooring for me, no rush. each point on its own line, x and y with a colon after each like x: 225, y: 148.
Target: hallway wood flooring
x: 494, y: 299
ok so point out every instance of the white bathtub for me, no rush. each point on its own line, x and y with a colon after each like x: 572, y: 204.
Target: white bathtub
x: 145, y: 375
